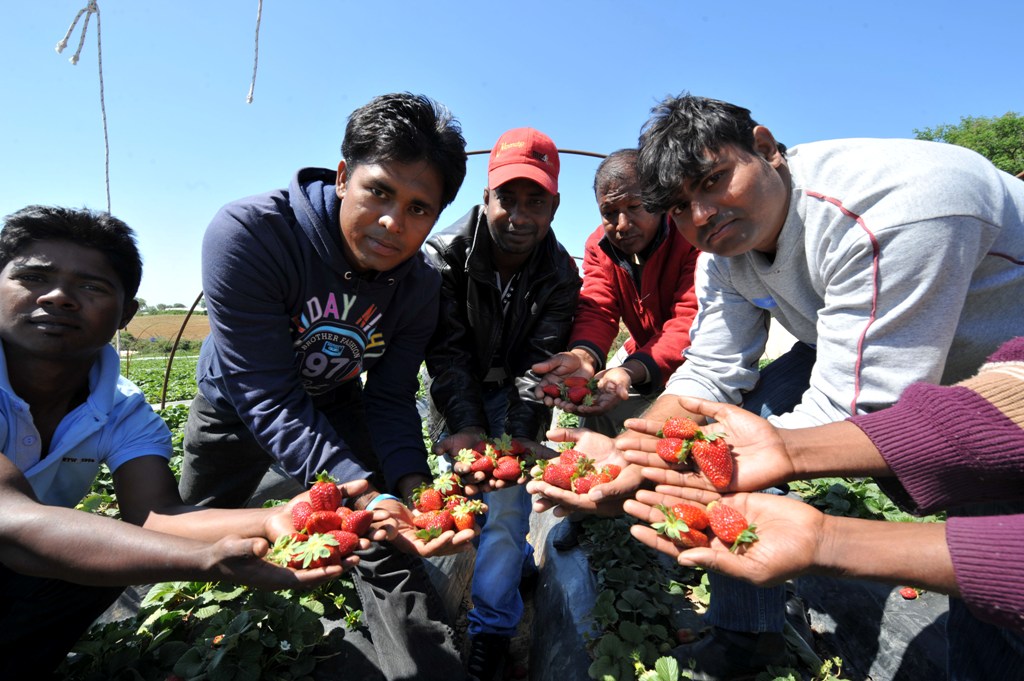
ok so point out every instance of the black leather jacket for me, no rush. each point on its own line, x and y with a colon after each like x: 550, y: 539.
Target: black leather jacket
x: 469, y: 330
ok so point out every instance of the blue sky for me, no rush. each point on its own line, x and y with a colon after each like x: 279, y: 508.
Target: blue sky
x: 183, y: 141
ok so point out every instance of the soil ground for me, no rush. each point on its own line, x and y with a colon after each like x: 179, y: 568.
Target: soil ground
x: 166, y: 326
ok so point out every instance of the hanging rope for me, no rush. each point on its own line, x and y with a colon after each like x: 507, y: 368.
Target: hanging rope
x: 88, y: 11
x: 256, y: 52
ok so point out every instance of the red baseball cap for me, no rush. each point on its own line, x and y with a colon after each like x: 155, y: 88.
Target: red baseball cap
x: 524, y: 152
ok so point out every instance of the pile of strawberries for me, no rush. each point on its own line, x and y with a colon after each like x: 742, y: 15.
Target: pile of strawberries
x: 442, y: 506
x: 576, y: 472
x: 685, y: 524
x: 575, y: 389
x: 682, y: 438
x: 325, y: 531
x: 500, y: 458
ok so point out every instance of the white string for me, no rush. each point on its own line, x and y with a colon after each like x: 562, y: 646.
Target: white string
x: 256, y: 52
x: 89, y: 10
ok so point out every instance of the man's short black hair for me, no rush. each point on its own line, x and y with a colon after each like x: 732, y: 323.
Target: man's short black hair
x: 677, y: 138
x: 83, y: 227
x: 407, y: 128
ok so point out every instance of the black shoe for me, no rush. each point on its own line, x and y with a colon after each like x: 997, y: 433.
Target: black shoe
x: 570, y: 536
x: 724, y: 655
x: 487, y: 653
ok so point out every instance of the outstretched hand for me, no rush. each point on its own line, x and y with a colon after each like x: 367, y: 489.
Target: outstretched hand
x: 759, y: 453
x: 788, y: 534
x: 406, y: 541
x: 241, y: 561
x: 605, y: 499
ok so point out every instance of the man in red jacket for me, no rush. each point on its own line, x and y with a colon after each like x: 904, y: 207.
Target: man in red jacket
x: 639, y: 270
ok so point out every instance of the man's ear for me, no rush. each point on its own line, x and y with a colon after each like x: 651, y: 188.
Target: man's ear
x: 487, y: 195
x: 766, y: 146
x: 130, y: 308
x: 342, y: 179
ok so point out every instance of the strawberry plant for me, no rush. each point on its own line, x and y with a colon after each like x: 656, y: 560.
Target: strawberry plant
x: 199, y: 630
x: 854, y: 498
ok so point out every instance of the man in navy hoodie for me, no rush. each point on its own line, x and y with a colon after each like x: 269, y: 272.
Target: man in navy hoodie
x: 309, y: 289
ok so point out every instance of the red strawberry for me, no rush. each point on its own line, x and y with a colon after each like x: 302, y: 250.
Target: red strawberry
x: 679, y: 426
x: 300, y: 515
x: 323, y: 521
x: 324, y: 495
x: 678, y: 531
x: 455, y: 500
x: 433, y: 524
x: 576, y: 382
x: 484, y: 464
x: 508, y: 468
x: 584, y: 483
x: 319, y: 551
x: 357, y: 522
x: 730, y: 526
x: 552, y: 390
x: 672, y: 450
x: 579, y: 395
x: 465, y: 514
x: 909, y: 593
x: 427, y: 499
x: 695, y: 517
x: 348, y: 542
x: 612, y: 470
x: 559, y: 475
x: 570, y: 457
x: 712, y: 455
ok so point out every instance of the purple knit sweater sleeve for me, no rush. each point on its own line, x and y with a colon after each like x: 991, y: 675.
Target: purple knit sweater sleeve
x: 960, y: 445
x: 988, y: 559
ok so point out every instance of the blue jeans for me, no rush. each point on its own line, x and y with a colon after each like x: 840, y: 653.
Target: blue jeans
x: 502, y: 550
x: 737, y: 605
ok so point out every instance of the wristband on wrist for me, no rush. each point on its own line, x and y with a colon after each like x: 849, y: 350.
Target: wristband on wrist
x: 379, y: 498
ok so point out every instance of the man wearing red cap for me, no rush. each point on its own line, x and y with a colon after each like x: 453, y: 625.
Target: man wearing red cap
x: 508, y: 295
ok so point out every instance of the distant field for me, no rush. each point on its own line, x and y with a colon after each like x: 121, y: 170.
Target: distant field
x: 165, y: 326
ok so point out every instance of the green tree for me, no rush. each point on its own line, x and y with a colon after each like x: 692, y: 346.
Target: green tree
x: 999, y: 138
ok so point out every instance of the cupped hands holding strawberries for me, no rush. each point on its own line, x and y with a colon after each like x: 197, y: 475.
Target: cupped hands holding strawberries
x: 487, y: 464
x: 569, y: 381
x: 322, y: 531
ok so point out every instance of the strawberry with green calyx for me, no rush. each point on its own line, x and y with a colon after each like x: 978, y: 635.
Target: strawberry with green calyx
x: 300, y: 515
x: 320, y: 550
x: 694, y: 516
x: 348, y: 542
x: 324, y: 495
x: 712, y: 455
x: 730, y: 526
x: 282, y: 550
x: 557, y: 474
x: 585, y: 482
x: 433, y: 524
x: 449, y: 484
x: 425, y: 499
x: 552, y: 390
x: 580, y: 396
x: 478, y: 463
x: 455, y: 500
x: 676, y: 529
x: 611, y: 470
x: 357, y: 522
x: 465, y: 514
x: 576, y: 382
x: 570, y: 457
x: 673, y: 450
x: 680, y: 427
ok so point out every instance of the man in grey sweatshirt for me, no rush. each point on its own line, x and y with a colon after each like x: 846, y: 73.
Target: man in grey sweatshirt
x: 890, y: 261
